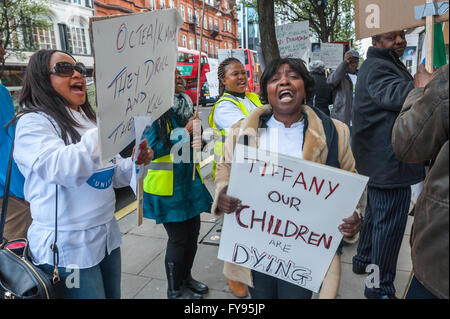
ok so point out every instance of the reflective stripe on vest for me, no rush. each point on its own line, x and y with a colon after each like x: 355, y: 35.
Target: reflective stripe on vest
x: 159, y: 179
x: 219, y: 135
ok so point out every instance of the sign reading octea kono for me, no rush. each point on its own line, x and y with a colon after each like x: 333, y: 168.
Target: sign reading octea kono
x: 291, y: 209
x: 135, y: 57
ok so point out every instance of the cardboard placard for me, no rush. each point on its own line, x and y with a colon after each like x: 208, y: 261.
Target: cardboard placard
x: 135, y: 58
x: 332, y: 54
x: 291, y: 209
x: 234, y: 53
x: 373, y: 17
x: 293, y: 40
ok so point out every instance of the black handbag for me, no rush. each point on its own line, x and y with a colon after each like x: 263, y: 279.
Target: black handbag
x: 19, y: 277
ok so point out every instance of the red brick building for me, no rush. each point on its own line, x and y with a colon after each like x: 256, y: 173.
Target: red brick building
x: 220, y: 30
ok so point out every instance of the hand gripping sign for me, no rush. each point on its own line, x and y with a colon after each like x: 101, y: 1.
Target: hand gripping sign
x: 287, y: 226
x: 135, y: 60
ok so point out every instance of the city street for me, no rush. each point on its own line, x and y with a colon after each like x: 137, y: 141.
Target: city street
x: 322, y: 109
x: 143, y: 251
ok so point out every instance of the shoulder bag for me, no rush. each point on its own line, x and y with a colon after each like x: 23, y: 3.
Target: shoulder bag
x: 19, y: 277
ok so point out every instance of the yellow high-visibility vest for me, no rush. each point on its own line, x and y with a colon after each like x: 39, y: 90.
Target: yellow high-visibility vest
x: 220, y: 135
x: 159, y: 179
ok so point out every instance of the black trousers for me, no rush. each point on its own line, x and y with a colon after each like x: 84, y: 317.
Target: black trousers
x: 268, y: 287
x: 181, y: 250
x: 381, y: 236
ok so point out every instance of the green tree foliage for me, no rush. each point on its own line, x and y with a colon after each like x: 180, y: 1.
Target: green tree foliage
x: 330, y: 22
x: 18, y: 19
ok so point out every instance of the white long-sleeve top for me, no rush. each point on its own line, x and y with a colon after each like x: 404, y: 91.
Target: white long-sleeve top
x: 87, y: 228
x: 227, y: 113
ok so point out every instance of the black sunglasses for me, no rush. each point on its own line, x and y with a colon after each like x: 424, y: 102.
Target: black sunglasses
x: 67, y: 69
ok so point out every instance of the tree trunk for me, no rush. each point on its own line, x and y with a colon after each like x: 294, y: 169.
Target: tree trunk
x: 266, y: 17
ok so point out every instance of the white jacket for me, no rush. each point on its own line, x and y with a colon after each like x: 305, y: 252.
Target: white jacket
x: 86, y: 198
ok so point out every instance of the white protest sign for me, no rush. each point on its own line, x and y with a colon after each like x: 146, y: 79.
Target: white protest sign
x: 293, y: 40
x: 332, y: 54
x: 212, y: 78
x: 135, y: 58
x: 213, y: 83
x: 234, y: 53
x: 291, y: 209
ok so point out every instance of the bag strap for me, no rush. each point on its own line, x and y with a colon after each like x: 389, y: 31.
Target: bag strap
x: 54, y: 247
x: 6, y: 194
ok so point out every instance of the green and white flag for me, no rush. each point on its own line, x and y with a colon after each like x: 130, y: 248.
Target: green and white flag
x: 439, y: 57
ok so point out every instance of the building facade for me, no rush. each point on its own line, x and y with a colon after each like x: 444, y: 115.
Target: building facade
x: 220, y: 27
x: 69, y: 31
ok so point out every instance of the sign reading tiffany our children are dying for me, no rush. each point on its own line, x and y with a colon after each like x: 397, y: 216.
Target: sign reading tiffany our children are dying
x: 135, y: 57
x: 287, y: 226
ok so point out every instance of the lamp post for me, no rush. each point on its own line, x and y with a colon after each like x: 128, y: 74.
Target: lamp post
x: 195, y: 25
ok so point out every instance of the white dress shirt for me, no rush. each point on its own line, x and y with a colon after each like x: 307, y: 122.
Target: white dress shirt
x: 279, y: 139
x: 227, y: 113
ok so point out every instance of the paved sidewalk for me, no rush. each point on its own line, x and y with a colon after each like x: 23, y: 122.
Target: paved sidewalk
x: 143, y: 272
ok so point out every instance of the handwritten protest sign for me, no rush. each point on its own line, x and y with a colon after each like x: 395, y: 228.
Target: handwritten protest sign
x: 212, y: 78
x: 373, y: 17
x: 213, y: 83
x: 293, y: 40
x: 332, y: 54
x: 135, y: 57
x: 234, y: 53
x: 288, y: 224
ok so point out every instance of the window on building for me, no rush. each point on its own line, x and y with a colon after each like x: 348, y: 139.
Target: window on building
x: 190, y: 15
x: 183, y: 14
x: 216, y: 24
x: 198, y: 44
x: 184, y: 42
x: 171, y: 4
x: 211, y: 26
x: 229, y: 26
x: 211, y: 48
x: 152, y: 4
x: 205, y: 22
x: 76, y: 33
x: 162, y: 4
x: 44, y: 38
x: 191, y: 43
x: 197, y: 19
x: 217, y: 50
x: 225, y: 4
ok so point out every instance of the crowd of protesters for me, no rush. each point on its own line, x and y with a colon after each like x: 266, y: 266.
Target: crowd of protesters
x: 378, y: 121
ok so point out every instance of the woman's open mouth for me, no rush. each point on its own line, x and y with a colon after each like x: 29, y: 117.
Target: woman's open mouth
x: 78, y: 89
x: 286, y: 96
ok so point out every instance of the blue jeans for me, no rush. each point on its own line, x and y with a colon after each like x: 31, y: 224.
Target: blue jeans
x: 99, y: 282
x: 417, y: 291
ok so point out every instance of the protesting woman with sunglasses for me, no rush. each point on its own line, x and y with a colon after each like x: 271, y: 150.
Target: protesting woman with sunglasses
x: 56, y: 144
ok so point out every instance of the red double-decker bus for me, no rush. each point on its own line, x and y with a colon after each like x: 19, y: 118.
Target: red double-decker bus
x: 187, y: 64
